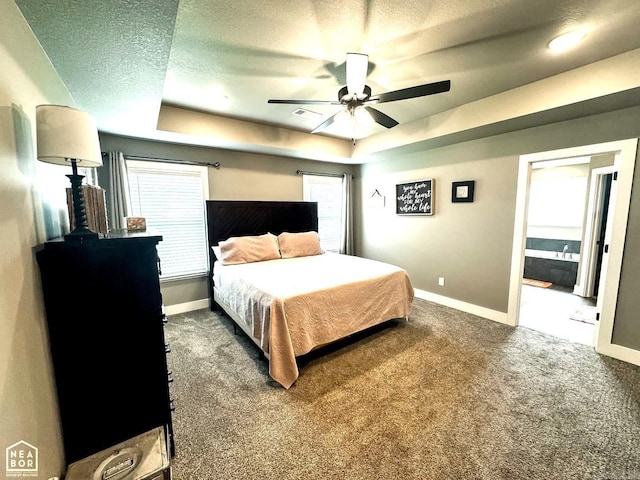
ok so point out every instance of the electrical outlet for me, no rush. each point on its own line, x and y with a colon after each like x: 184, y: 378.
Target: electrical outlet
x: 441, y: 281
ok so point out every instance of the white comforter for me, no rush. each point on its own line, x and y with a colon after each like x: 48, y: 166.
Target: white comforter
x: 294, y: 305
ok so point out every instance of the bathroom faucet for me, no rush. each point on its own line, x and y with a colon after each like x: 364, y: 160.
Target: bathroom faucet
x: 564, y: 251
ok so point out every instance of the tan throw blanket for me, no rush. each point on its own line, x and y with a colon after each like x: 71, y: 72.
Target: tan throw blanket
x: 294, y: 305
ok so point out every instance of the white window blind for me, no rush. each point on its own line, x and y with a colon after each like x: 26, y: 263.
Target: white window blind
x: 327, y: 191
x: 172, y: 197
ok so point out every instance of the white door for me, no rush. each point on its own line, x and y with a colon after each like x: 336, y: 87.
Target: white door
x: 602, y: 285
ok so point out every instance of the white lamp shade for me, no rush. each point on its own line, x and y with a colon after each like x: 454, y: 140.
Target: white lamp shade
x: 64, y: 133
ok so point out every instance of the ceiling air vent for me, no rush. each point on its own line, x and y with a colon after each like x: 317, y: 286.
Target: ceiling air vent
x: 301, y: 112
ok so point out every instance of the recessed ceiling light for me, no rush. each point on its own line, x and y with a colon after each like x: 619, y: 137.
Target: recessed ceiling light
x: 567, y: 40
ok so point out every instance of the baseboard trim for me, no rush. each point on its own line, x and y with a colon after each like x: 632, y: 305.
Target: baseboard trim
x: 621, y: 353
x: 483, y: 312
x: 186, y: 307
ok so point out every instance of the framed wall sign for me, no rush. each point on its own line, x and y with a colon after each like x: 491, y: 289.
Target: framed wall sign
x: 462, y: 191
x: 415, y: 198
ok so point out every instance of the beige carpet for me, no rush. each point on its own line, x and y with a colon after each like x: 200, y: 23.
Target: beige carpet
x: 446, y: 395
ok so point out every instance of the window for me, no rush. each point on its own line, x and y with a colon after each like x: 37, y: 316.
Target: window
x: 327, y: 191
x: 557, y: 202
x: 172, y: 197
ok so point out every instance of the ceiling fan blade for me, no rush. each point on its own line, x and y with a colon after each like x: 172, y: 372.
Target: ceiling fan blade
x: 305, y: 102
x: 326, y: 123
x: 381, y: 118
x: 357, y: 64
x: 413, y: 92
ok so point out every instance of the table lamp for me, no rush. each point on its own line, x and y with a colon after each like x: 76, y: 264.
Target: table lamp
x: 69, y: 136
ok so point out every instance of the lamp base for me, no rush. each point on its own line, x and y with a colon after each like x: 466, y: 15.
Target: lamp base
x: 80, y: 234
x: 81, y: 231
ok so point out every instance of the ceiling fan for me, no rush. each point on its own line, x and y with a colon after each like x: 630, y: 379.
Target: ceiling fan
x: 356, y: 96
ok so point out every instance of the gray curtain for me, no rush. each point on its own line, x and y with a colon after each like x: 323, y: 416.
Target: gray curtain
x: 346, y: 238
x: 117, y: 190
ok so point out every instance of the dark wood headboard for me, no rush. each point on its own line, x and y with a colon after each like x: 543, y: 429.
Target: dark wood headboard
x: 236, y: 218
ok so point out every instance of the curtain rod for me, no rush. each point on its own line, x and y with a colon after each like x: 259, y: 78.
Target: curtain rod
x: 320, y: 174
x: 169, y: 160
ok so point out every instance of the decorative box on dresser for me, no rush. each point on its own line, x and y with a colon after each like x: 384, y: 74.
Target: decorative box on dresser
x: 106, y: 330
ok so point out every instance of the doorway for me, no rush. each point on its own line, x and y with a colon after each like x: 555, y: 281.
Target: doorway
x: 555, y: 230
x: 624, y: 153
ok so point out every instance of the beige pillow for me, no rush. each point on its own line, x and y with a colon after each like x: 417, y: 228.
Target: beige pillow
x: 249, y: 249
x: 299, y: 244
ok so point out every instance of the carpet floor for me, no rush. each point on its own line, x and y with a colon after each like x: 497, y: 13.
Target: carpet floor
x: 446, y: 395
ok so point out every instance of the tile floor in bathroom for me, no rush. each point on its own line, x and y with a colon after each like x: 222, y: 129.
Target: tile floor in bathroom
x: 548, y: 310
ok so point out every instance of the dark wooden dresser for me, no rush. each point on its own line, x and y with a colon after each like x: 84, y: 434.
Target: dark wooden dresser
x: 105, y: 319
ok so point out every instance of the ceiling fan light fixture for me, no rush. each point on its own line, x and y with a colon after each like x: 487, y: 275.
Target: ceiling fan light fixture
x: 343, y: 120
x: 567, y: 40
x: 357, y: 65
x: 362, y: 117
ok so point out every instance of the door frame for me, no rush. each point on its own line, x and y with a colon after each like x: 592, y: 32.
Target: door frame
x: 624, y: 152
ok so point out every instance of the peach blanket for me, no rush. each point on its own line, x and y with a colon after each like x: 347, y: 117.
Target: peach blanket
x: 294, y: 305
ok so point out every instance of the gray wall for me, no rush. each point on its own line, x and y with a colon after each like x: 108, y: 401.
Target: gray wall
x: 463, y: 242
x: 242, y: 176
x: 32, y: 210
x: 470, y: 244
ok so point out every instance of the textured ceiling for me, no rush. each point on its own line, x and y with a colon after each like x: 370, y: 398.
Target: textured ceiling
x: 122, y: 60
x: 112, y: 55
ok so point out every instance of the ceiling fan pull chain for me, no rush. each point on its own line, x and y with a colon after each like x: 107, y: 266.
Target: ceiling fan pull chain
x: 353, y: 125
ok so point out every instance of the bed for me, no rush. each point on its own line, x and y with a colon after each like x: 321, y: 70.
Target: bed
x: 290, y: 306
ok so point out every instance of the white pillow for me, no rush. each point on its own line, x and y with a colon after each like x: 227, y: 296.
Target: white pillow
x: 299, y: 244
x: 249, y: 249
x: 217, y: 252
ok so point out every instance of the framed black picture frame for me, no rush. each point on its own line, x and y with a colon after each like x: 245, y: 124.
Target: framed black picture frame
x: 415, y: 198
x: 462, y: 191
